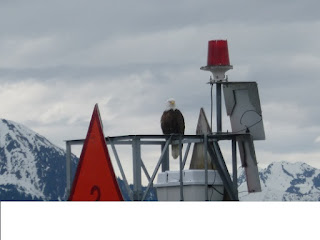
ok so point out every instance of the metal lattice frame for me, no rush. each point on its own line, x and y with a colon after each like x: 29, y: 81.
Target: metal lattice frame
x: 211, y: 146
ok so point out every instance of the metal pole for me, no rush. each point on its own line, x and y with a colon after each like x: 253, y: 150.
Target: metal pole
x: 68, y: 167
x: 180, y: 166
x: 234, y: 166
x: 216, y: 156
x: 186, y: 155
x: 115, y: 153
x: 165, y: 161
x: 145, y: 170
x: 156, y: 168
x: 136, y: 154
x: 205, y: 139
x: 219, y: 114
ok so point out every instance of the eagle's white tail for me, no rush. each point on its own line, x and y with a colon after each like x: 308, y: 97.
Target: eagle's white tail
x: 175, y: 150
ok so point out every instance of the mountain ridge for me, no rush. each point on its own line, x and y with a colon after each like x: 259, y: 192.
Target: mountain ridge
x: 284, y: 181
x: 31, y: 167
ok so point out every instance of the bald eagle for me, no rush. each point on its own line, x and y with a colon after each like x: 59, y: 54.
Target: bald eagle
x: 172, y: 121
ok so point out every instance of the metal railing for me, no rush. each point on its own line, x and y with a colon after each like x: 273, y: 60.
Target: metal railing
x: 211, y: 146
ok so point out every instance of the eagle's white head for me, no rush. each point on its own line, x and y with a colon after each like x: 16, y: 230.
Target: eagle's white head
x: 171, y: 104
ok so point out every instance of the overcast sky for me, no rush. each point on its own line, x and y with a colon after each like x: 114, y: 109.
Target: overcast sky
x: 58, y: 58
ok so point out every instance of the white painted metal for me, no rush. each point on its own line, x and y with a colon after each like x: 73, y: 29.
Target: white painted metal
x: 243, y: 106
x: 218, y: 72
x: 168, y: 185
x: 249, y: 162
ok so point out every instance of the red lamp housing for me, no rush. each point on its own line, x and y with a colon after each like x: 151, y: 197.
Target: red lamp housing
x: 218, y: 54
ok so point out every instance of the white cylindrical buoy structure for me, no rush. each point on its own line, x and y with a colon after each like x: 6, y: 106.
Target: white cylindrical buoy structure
x: 194, y: 187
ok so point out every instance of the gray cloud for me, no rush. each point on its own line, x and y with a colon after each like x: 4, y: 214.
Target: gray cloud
x: 59, y: 58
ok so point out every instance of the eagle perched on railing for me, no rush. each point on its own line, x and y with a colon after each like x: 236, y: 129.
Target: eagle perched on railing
x: 172, y: 121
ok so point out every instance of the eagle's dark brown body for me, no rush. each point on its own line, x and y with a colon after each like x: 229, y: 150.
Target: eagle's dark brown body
x: 172, y: 121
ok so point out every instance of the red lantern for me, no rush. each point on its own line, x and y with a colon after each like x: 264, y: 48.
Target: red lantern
x: 218, y: 54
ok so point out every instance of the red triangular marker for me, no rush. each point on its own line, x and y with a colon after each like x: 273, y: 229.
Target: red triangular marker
x: 95, y: 179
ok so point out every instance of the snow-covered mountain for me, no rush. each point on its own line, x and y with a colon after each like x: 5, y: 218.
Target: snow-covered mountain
x: 283, y: 181
x: 31, y: 168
